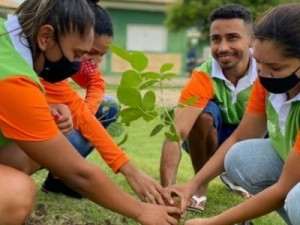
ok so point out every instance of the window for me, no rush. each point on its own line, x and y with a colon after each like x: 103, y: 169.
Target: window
x: 149, y: 38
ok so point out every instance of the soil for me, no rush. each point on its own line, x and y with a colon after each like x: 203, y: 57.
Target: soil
x: 38, y: 217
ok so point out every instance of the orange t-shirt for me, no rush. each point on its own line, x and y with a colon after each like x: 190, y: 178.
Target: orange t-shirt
x: 24, y: 112
x: 257, y: 105
x: 83, y: 115
x: 201, y: 86
x: 89, y: 78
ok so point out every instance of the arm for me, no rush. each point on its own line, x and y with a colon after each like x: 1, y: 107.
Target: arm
x: 171, y: 151
x: 58, y: 156
x: 92, y: 80
x: 200, y: 86
x: 35, y: 132
x: 251, y: 126
x: 147, y: 189
x: 267, y: 201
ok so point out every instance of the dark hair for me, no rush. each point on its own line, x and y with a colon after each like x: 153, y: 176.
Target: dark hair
x: 64, y: 16
x: 103, y: 24
x: 231, y: 11
x: 281, y: 25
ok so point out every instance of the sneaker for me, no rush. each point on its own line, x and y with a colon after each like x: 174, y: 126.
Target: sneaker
x: 55, y: 185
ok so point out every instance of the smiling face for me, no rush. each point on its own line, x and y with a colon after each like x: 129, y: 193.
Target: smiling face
x: 230, y: 42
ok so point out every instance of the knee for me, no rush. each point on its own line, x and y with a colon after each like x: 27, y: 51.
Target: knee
x: 19, y: 199
x: 204, y: 123
x: 233, y: 162
x: 292, y: 206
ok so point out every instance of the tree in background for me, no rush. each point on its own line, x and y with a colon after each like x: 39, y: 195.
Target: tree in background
x: 194, y: 13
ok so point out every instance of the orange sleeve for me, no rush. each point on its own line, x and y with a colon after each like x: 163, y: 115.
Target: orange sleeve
x: 297, y: 143
x: 86, y: 123
x: 200, y: 86
x: 24, y: 112
x: 92, y: 80
x: 92, y: 129
x: 257, y: 100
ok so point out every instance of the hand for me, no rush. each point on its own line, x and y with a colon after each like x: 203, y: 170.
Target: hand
x: 62, y: 117
x: 158, y: 215
x: 147, y: 189
x: 200, y: 221
x: 184, y: 191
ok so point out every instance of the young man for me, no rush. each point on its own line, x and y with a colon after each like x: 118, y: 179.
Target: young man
x: 222, y: 86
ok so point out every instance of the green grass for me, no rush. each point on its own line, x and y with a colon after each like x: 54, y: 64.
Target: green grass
x: 144, y: 151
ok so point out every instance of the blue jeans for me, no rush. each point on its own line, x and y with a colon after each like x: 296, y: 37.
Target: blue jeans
x: 254, y: 165
x: 106, y: 114
x: 223, y: 130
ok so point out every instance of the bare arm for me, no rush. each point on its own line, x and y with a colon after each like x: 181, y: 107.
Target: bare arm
x: 251, y: 126
x: 262, y: 203
x: 171, y: 153
x: 60, y: 158
x: 147, y: 189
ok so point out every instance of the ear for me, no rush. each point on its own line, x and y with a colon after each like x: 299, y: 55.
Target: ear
x: 251, y: 41
x: 45, y: 37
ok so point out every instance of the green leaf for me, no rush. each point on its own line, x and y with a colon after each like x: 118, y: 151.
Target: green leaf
x: 149, y: 100
x: 129, y: 96
x: 166, y: 67
x: 121, y: 52
x: 148, y: 116
x: 148, y: 84
x: 115, y: 129
x: 130, y: 114
x: 156, y: 130
x: 123, y: 140
x: 131, y: 78
x: 172, y: 137
x: 150, y: 75
x: 191, y: 100
x: 173, y: 129
x: 168, y: 76
x: 139, y: 61
x: 167, y: 117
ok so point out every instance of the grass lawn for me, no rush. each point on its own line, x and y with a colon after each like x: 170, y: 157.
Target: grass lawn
x: 144, y: 151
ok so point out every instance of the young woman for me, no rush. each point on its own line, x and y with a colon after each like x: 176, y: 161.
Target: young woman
x: 47, y: 38
x: 269, y: 167
x: 89, y: 132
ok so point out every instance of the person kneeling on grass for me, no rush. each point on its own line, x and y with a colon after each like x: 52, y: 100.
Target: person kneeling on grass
x: 268, y: 168
x: 222, y: 85
x: 47, y: 38
x: 89, y: 132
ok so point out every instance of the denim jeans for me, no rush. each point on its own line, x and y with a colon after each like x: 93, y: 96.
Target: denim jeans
x: 255, y: 165
x: 106, y: 114
x: 224, y: 130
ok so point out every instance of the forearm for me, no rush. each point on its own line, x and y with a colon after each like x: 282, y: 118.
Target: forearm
x: 59, y: 157
x: 267, y: 201
x: 102, y: 184
x: 170, y: 158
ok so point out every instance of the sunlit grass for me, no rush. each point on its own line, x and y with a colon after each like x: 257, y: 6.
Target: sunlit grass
x: 144, y: 152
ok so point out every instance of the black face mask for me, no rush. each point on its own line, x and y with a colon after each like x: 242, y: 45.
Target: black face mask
x: 57, y: 71
x: 280, y: 85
